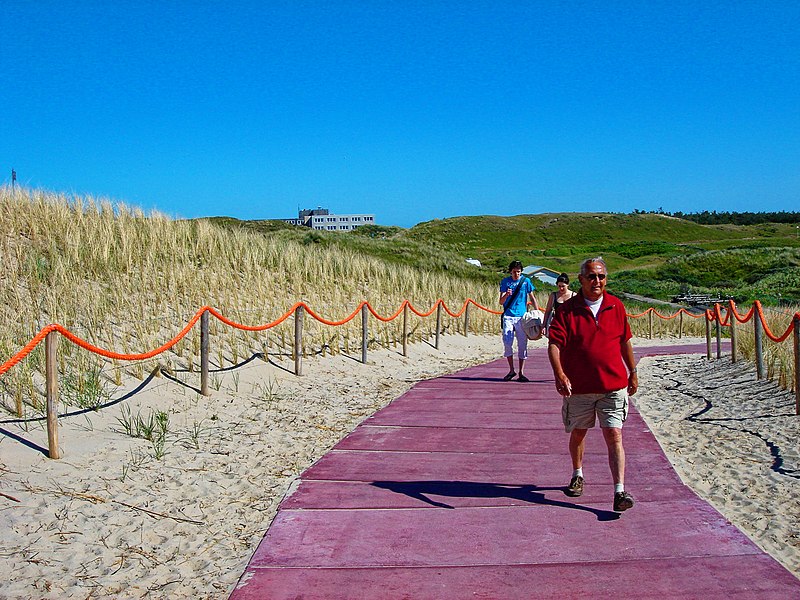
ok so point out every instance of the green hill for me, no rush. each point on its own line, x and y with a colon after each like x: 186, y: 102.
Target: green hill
x: 651, y: 254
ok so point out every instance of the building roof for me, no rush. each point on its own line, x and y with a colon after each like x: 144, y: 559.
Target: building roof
x: 541, y: 273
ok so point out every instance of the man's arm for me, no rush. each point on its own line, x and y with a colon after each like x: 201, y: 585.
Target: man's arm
x: 563, y: 384
x: 630, y: 362
x: 532, y: 300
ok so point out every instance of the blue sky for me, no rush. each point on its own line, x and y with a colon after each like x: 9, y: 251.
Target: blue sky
x: 410, y: 110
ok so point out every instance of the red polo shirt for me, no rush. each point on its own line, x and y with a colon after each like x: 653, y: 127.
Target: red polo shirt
x: 591, y: 349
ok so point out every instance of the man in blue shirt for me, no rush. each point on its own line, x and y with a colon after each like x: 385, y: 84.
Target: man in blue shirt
x: 515, y: 302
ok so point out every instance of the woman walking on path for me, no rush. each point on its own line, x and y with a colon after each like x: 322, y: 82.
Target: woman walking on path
x: 558, y: 297
x: 516, y: 294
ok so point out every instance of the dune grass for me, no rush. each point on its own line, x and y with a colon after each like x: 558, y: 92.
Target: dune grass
x: 128, y: 281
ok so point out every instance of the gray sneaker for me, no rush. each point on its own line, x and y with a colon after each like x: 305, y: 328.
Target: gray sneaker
x: 622, y: 501
x: 575, y: 488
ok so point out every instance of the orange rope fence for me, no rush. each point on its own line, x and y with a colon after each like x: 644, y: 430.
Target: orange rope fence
x: 39, y: 337
x: 729, y: 318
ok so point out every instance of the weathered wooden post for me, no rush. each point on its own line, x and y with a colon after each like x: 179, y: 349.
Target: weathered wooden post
x: 732, y: 319
x: 405, y: 329
x: 719, y: 332
x: 364, y: 332
x: 796, y: 322
x: 759, y: 342
x: 466, y: 320
x: 650, y: 324
x: 438, y: 323
x: 708, y: 337
x: 51, y: 374
x: 680, y: 323
x: 204, y: 350
x: 298, y: 340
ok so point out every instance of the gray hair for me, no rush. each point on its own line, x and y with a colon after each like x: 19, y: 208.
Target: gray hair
x: 597, y: 259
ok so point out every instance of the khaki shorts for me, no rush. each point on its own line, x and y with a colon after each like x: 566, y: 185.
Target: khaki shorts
x: 578, y: 411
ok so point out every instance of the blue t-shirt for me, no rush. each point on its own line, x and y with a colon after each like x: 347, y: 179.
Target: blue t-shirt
x: 516, y: 308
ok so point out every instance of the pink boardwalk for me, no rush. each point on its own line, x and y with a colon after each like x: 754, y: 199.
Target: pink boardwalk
x: 455, y: 490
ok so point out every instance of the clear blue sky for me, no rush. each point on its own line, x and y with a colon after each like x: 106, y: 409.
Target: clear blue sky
x: 411, y: 110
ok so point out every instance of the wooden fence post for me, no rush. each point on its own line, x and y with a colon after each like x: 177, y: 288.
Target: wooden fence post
x: 466, y: 320
x: 364, y: 333
x: 650, y: 324
x: 758, y: 330
x: 51, y: 373
x: 680, y: 324
x: 732, y: 318
x: 708, y: 337
x: 298, y: 341
x: 204, y: 351
x: 405, y: 329
x: 719, y: 333
x: 796, y: 322
x: 438, y: 324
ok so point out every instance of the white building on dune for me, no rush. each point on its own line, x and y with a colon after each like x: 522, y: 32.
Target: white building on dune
x: 321, y: 218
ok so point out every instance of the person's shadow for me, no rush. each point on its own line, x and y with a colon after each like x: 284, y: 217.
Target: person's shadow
x: 532, y: 494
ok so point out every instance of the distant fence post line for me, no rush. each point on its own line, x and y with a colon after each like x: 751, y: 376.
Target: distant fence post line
x: 758, y: 333
x: 438, y: 324
x: 732, y: 319
x: 205, y: 344
x: 796, y: 323
x: 364, y: 332
x: 51, y: 369
x: 298, y: 341
x: 405, y: 329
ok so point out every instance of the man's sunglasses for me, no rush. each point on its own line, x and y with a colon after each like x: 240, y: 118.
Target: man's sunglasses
x: 593, y: 276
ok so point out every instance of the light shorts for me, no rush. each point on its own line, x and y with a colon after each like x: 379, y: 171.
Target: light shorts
x: 578, y: 411
x: 512, y: 328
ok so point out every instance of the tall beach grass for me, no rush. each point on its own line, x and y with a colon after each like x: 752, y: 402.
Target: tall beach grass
x: 129, y: 281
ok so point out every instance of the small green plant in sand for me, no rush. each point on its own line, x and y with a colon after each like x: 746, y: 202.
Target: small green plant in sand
x: 269, y: 391
x: 84, y: 389
x: 153, y: 427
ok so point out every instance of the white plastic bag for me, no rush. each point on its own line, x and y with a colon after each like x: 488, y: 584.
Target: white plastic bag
x: 533, y: 324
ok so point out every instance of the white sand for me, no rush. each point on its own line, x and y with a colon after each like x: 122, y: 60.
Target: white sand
x: 81, y: 526
x: 734, y: 440
x: 109, y: 519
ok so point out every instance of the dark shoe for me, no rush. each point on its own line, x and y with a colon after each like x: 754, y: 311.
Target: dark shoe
x: 522, y: 378
x: 622, y: 501
x: 575, y: 488
x: 509, y: 376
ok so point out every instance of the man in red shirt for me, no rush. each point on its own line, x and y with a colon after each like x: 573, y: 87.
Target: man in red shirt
x: 591, y: 354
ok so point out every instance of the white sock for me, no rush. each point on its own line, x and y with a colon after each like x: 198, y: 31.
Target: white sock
x: 619, y: 487
x: 578, y: 472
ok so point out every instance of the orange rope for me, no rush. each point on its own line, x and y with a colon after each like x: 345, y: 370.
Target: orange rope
x: 770, y: 335
x: 489, y: 310
x: 277, y: 321
x: 738, y: 317
x: 394, y: 316
x: 347, y: 319
x: 27, y: 349
x: 715, y: 315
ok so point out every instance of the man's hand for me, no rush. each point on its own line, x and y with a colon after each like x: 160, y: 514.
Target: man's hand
x: 564, y: 386
x: 633, y: 383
